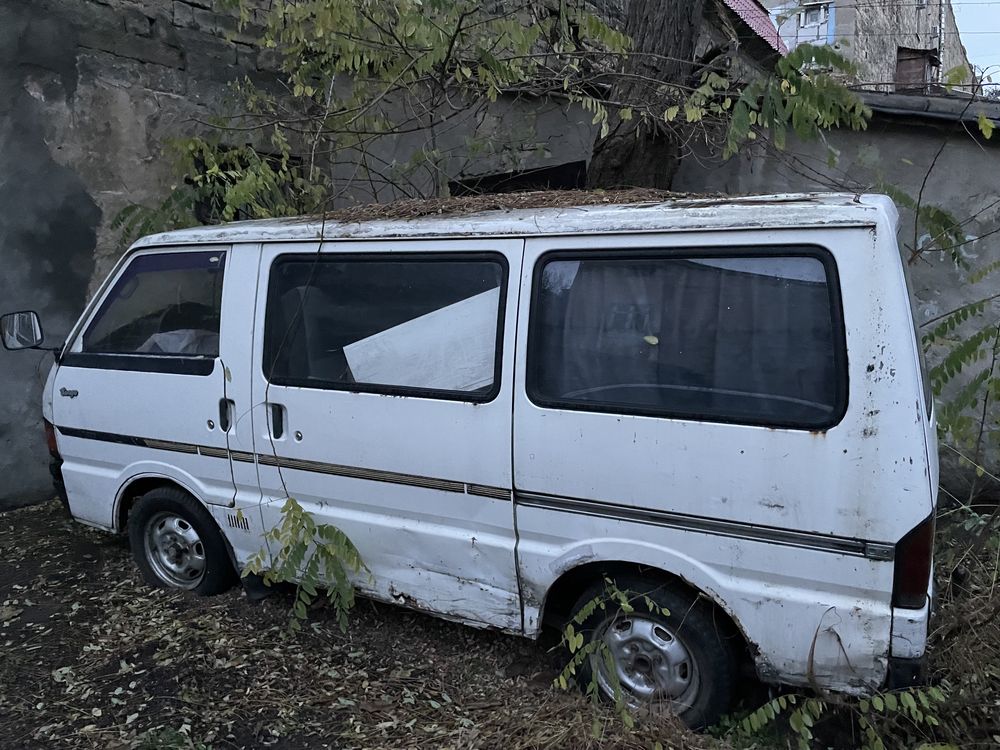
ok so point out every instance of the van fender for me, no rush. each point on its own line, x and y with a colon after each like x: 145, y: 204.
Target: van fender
x: 184, y: 482
x: 155, y: 470
x: 539, y: 578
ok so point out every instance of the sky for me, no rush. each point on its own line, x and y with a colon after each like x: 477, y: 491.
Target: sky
x: 979, y: 25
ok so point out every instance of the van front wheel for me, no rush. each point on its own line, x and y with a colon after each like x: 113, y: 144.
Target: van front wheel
x: 177, y: 545
x: 671, y: 655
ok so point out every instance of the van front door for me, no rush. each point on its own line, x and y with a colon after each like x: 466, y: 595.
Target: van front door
x: 384, y: 372
x: 141, y: 392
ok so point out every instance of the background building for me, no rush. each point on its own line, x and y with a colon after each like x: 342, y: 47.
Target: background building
x: 898, y: 45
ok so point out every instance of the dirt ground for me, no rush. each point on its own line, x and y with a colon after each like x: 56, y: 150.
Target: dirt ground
x: 90, y: 657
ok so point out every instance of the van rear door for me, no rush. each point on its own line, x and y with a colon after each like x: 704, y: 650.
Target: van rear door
x: 141, y: 391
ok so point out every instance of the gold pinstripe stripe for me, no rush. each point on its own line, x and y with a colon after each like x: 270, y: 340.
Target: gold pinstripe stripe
x: 352, y: 472
x: 482, y: 490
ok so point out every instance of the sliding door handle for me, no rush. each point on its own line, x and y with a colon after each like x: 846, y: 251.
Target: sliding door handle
x: 276, y: 420
x: 226, y: 409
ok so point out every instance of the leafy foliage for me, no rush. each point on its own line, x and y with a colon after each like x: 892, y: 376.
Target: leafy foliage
x: 884, y: 720
x: 396, y: 96
x: 964, y: 342
x: 312, y: 556
x: 939, y: 230
x: 582, y: 650
x: 221, y: 183
x: 803, y: 93
x: 362, y: 72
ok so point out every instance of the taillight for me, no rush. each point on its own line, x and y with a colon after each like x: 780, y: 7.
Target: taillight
x: 912, y: 573
x: 50, y: 438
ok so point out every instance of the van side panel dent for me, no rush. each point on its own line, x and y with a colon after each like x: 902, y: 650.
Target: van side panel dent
x: 802, y: 627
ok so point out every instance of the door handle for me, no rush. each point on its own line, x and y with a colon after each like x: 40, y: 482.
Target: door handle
x: 226, y: 407
x: 276, y: 418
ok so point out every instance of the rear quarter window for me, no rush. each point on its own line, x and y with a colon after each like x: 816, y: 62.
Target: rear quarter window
x: 747, y: 336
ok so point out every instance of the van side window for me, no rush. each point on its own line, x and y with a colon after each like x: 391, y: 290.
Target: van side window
x: 162, y: 304
x: 754, y: 340
x: 422, y: 324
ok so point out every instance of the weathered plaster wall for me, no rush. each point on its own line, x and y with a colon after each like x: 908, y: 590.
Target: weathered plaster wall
x: 898, y: 151
x: 89, y: 91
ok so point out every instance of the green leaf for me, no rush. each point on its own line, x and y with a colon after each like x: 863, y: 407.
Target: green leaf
x: 795, y: 722
x: 985, y: 125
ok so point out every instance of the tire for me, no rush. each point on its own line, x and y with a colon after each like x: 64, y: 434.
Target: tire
x: 176, y: 543
x: 684, y: 661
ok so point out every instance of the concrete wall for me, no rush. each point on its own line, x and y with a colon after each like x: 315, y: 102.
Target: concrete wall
x: 89, y: 91
x: 898, y: 150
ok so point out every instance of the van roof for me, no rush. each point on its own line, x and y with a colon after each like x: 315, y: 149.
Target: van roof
x: 551, y: 213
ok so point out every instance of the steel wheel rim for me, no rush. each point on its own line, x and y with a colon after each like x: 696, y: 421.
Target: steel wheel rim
x: 652, y: 663
x: 174, y: 550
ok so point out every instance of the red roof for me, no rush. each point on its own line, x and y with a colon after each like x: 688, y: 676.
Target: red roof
x: 757, y: 18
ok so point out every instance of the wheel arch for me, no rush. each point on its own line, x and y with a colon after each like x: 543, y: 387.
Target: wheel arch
x: 565, y: 590
x: 138, y: 485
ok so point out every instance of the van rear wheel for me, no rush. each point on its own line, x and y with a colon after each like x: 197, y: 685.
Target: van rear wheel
x: 682, y: 661
x: 177, y: 545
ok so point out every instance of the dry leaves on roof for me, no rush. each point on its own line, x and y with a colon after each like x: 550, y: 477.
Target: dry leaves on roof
x: 413, y: 209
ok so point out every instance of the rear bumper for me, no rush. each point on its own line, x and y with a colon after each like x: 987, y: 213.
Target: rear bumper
x: 908, y: 657
x: 909, y: 631
x: 905, y: 673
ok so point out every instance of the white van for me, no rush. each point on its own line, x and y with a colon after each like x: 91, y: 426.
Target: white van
x: 719, y: 403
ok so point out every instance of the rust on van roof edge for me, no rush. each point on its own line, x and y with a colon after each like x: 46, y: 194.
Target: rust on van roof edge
x: 514, y: 213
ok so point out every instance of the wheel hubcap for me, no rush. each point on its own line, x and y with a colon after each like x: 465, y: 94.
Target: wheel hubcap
x: 175, y: 551
x: 649, y: 662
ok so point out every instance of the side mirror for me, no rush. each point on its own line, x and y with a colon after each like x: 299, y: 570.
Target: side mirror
x: 21, y: 330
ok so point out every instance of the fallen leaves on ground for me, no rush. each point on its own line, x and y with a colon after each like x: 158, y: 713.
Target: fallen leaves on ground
x: 90, y: 657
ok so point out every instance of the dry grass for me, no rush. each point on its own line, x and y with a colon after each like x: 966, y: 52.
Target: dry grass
x: 965, y: 638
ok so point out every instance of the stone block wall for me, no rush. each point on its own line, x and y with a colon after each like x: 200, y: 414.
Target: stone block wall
x: 89, y: 92
x: 873, y: 32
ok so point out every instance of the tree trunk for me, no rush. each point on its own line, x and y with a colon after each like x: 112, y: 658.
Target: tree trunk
x: 636, y: 153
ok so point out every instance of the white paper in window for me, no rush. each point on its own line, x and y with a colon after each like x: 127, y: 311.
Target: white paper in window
x: 795, y: 269
x: 451, y: 349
